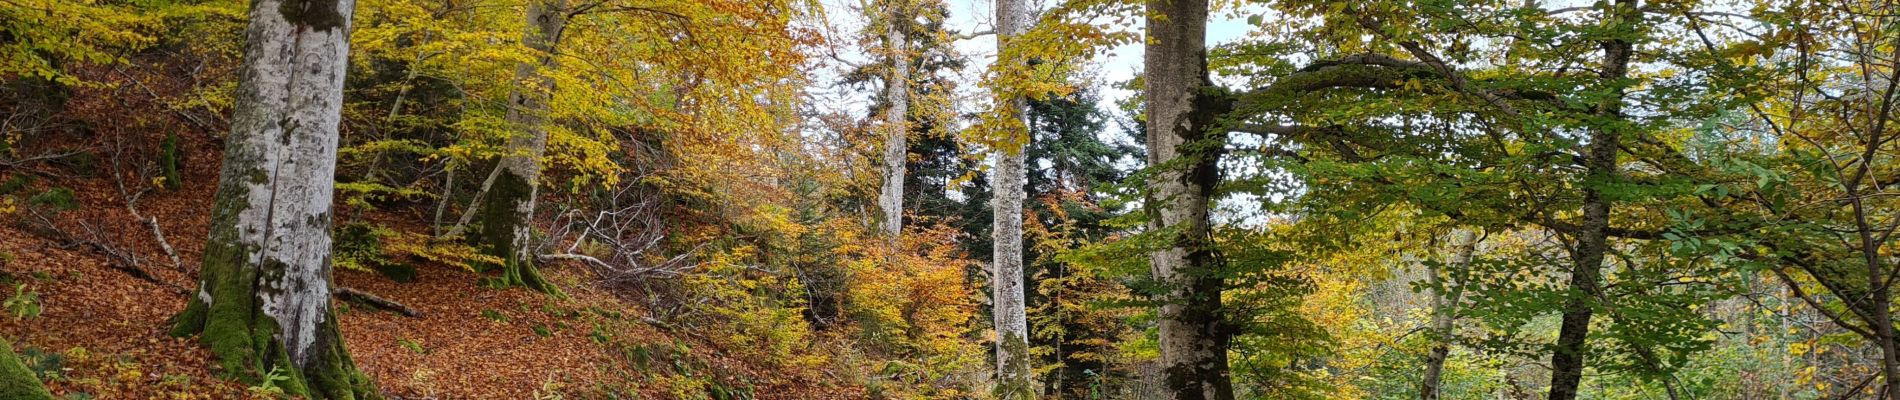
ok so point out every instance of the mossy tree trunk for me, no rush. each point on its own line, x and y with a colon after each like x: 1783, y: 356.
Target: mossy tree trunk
x: 16, y: 381
x: 263, y: 301
x: 1013, y: 377
x: 508, y: 210
x: 1185, y: 148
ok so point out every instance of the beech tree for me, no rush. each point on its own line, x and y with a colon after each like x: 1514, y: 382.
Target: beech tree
x: 508, y: 207
x: 890, y: 195
x: 1182, y: 107
x: 1014, y: 381
x: 263, y: 300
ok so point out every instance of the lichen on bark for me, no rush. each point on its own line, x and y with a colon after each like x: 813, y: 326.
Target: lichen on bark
x: 263, y: 303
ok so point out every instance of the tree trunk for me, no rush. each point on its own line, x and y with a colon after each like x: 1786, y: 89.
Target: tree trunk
x: 16, y: 381
x: 1014, y: 380
x: 1444, y: 308
x: 1592, y: 235
x: 1181, y: 111
x: 890, y: 197
x: 263, y: 301
x: 508, y: 208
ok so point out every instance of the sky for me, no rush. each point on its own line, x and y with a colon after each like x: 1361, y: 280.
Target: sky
x: 1115, y: 66
x: 1119, y: 65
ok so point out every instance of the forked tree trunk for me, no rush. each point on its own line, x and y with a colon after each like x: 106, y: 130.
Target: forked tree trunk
x: 1181, y: 144
x: 508, y: 208
x: 890, y: 197
x: 16, y: 381
x: 1444, y: 313
x: 1013, y: 379
x: 263, y: 301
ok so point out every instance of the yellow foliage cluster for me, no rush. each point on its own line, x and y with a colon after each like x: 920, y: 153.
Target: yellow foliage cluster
x: 912, y: 300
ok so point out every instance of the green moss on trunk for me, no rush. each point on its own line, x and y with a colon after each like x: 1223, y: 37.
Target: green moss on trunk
x: 1022, y: 387
x: 168, y: 161
x: 16, y: 381
x: 501, y: 218
x: 227, y: 318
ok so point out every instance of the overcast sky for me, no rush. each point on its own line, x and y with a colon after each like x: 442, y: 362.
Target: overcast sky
x: 1117, y: 65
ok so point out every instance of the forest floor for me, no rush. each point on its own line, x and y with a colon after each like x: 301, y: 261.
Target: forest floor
x: 101, y: 331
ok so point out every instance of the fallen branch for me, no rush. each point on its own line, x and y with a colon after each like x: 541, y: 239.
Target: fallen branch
x: 117, y: 258
x: 132, y: 200
x: 347, y: 294
x: 577, y: 257
x: 162, y: 243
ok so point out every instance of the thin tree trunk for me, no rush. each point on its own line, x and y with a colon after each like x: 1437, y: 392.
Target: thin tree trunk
x: 263, y: 302
x: 1592, y: 236
x: 1194, y: 337
x: 1013, y: 17
x: 890, y: 197
x: 508, y: 210
x: 1444, y: 307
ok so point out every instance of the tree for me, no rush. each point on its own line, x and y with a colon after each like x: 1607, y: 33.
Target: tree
x: 1183, y: 151
x: 1068, y: 310
x: 507, y: 226
x: 890, y: 196
x: 1818, y: 203
x: 1444, y: 302
x: 1014, y: 381
x: 263, y: 300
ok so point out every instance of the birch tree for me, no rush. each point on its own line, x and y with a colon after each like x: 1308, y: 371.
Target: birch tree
x: 263, y: 301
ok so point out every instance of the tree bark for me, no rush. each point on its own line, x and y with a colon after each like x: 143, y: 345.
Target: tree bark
x: 1444, y: 308
x: 263, y: 301
x: 1014, y: 379
x: 890, y: 197
x: 1592, y: 238
x: 508, y: 209
x: 1185, y: 152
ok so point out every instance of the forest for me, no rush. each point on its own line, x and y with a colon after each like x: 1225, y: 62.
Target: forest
x: 949, y: 199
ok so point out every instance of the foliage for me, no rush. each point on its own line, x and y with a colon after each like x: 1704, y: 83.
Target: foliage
x: 23, y: 304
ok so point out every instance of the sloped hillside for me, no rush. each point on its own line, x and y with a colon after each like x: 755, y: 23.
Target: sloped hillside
x: 90, y: 289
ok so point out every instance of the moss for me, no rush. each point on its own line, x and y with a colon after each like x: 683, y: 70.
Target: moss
x: 58, y: 198
x: 320, y: 14
x: 16, y: 381
x: 168, y: 161
x: 240, y: 334
x: 1017, y: 389
x: 499, y: 220
x: 14, y: 184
